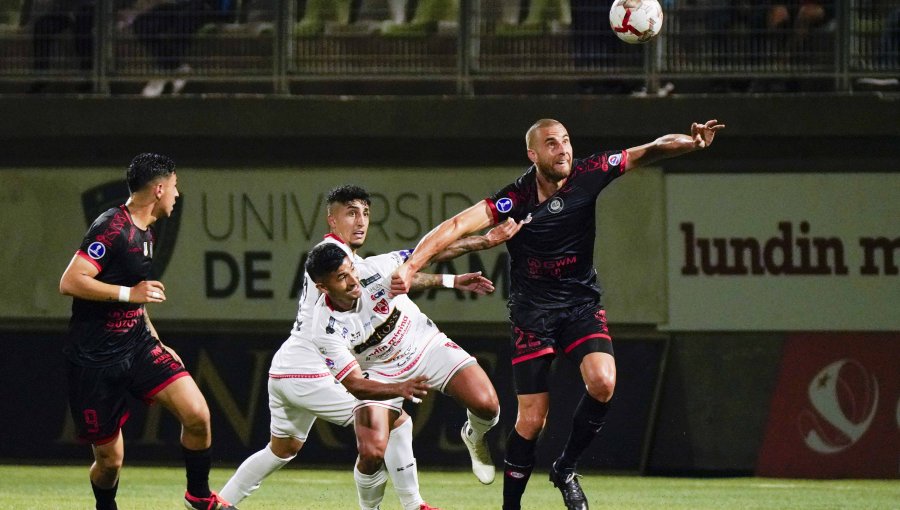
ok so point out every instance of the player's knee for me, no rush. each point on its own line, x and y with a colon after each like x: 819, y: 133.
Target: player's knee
x: 109, y: 466
x: 371, y: 454
x: 530, y: 426
x: 488, y: 407
x: 196, y: 419
x: 285, y: 448
x: 601, y: 388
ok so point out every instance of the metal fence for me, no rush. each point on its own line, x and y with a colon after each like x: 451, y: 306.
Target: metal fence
x: 464, y: 46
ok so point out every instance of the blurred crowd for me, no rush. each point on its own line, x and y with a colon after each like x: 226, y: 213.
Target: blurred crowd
x: 731, y: 36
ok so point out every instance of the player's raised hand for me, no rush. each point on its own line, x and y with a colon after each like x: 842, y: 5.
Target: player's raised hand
x: 401, y: 280
x: 414, y: 389
x: 703, y: 134
x: 503, y: 232
x: 148, y: 291
x: 473, y: 282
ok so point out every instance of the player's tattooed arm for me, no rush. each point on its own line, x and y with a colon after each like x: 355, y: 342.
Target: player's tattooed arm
x: 422, y: 281
x: 495, y: 236
x: 467, y: 282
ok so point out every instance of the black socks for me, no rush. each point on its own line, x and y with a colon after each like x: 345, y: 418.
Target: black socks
x: 519, y: 462
x: 197, y: 464
x: 590, y: 415
x: 106, y: 498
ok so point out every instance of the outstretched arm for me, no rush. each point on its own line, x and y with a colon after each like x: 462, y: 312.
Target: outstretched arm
x: 670, y: 146
x: 473, y: 219
x: 495, y: 236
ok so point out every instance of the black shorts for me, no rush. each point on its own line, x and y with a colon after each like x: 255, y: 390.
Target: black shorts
x: 98, y: 395
x: 540, y: 333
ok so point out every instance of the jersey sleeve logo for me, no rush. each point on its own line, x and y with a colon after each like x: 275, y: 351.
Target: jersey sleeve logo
x: 614, y: 159
x: 504, y: 205
x: 96, y: 250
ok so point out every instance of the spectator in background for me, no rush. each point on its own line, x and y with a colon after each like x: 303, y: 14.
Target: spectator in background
x: 801, y: 15
x: 48, y: 19
x: 167, y: 30
x: 796, y: 20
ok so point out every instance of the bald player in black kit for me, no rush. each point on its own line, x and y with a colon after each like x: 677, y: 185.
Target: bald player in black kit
x: 555, y: 299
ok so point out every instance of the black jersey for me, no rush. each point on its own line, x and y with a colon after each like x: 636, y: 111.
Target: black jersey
x: 552, y: 256
x: 105, y: 332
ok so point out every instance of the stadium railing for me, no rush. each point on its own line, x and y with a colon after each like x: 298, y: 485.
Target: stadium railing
x: 453, y: 46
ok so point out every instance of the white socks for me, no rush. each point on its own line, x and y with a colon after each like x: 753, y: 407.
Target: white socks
x: 401, y: 466
x: 479, y: 426
x: 370, y: 488
x: 251, y: 473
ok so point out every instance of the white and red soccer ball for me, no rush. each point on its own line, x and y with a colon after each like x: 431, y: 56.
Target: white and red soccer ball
x: 636, y: 21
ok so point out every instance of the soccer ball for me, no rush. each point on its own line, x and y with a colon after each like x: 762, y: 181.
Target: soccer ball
x: 636, y: 21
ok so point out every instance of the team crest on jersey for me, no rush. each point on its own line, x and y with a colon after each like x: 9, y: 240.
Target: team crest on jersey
x: 615, y: 159
x: 556, y: 205
x: 329, y: 363
x: 370, y: 280
x: 330, y: 327
x: 504, y: 205
x: 96, y: 250
x: 381, y: 307
x: 377, y: 294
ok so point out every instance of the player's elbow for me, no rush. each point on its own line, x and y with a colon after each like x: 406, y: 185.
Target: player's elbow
x: 65, y: 286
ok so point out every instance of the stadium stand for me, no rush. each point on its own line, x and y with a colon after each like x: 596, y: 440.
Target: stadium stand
x: 471, y: 47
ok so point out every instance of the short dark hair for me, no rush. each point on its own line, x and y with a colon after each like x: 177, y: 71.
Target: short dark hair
x: 147, y: 167
x: 323, y: 260
x: 348, y: 193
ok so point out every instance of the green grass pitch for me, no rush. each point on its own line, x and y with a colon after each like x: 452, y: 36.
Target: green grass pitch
x: 55, y: 487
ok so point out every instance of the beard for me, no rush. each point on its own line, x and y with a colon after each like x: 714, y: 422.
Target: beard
x: 552, y: 173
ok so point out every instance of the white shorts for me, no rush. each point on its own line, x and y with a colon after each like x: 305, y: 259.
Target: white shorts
x: 439, y: 362
x: 296, y: 401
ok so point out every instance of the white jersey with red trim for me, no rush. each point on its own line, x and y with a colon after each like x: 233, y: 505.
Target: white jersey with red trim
x: 385, y: 335
x: 297, y: 356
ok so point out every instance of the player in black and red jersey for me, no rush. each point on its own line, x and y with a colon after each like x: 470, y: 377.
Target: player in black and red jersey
x: 554, y: 304
x: 114, y: 351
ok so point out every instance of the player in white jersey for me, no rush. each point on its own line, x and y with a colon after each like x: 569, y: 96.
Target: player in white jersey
x: 365, y: 333
x: 301, y: 387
